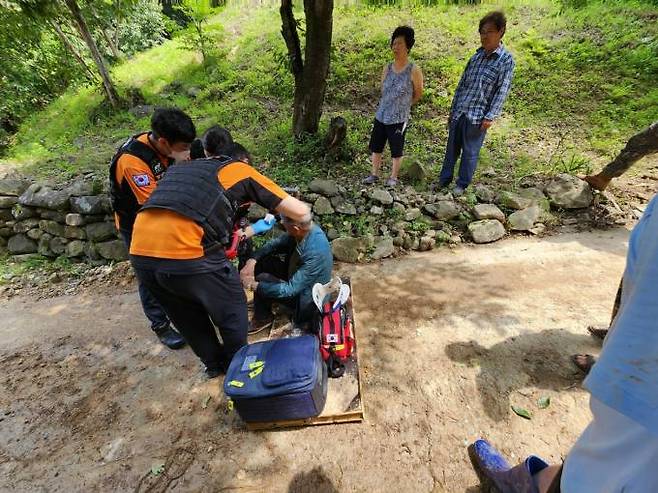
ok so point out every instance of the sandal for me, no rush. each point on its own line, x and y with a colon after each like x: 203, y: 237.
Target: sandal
x: 584, y: 362
x: 370, y: 180
x: 597, y: 332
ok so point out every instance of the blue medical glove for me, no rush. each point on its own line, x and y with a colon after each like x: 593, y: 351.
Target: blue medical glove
x: 262, y: 226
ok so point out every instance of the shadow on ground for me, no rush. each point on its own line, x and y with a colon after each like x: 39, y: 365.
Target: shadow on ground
x: 313, y: 481
x: 535, y: 359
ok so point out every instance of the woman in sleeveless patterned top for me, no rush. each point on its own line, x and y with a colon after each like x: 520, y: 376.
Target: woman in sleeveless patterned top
x: 402, y: 86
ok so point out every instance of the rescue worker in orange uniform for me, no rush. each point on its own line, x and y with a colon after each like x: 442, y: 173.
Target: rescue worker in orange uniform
x: 134, y: 171
x: 178, y: 245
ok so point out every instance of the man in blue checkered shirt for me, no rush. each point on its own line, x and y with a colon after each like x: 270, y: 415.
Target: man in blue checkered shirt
x: 478, y: 101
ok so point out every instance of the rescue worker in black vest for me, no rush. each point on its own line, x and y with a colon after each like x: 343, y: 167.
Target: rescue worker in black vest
x: 135, y: 169
x: 178, y: 245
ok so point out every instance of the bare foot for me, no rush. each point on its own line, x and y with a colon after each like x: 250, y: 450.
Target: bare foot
x: 598, y: 182
x: 598, y: 332
x: 584, y: 362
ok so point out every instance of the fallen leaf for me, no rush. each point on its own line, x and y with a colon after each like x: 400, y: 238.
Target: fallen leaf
x: 205, y: 402
x: 157, y: 469
x: 524, y: 413
x: 544, y: 402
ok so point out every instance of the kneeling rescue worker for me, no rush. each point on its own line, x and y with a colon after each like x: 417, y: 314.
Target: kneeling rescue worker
x: 134, y: 171
x: 178, y: 245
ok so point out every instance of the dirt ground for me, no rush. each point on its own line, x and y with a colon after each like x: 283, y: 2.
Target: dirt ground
x: 448, y: 341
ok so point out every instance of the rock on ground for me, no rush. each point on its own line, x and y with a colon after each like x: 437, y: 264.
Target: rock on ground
x: 328, y: 188
x: 524, y: 220
x: 14, y: 186
x: 382, y: 196
x: 21, y: 244
x: 486, y: 231
x: 444, y: 210
x: 93, y: 204
x: 513, y: 200
x: 569, y: 192
x: 488, y: 211
x: 41, y: 196
x: 322, y: 206
x: 348, y: 249
x: 100, y: 231
x: 112, y: 250
x: 383, y: 248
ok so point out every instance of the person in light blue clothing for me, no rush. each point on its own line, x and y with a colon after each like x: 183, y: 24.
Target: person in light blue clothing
x: 402, y: 87
x: 618, y: 451
x: 284, y: 271
x: 478, y: 101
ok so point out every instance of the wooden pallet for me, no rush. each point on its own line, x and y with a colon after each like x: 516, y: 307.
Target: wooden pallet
x: 344, y: 395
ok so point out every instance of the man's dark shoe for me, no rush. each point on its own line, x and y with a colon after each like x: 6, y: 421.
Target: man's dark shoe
x: 169, y: 337
x: 257, y: 325
x: 437, y: 186
x: 214, y: 372
x: 217, y: 370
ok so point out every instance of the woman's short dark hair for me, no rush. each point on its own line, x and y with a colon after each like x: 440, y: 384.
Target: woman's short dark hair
x: 406, y: 32
x: 196, y: 150
x: 239, y: 152
x: 496, y: 18
x: 217, y: 141
x: 173, y: 124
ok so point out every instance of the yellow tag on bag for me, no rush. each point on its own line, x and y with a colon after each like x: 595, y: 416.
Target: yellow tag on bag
x: 256, y: 372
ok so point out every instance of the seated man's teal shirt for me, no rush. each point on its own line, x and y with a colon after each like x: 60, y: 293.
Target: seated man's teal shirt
x: 310, y: 261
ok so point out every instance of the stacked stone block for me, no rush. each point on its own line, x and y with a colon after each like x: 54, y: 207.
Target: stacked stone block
x: 75, y: 221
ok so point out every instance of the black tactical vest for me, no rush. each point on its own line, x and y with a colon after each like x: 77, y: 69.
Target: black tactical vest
x: 193, y: 190
x: 123, y: 199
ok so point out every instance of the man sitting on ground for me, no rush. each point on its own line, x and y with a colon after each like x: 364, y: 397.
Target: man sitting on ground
x: 307, y: 259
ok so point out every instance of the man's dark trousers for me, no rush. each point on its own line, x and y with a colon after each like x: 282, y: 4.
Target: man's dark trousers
x: 271, y: 268
x: 197, y: 303
x: 466, y: 139
x: 152, y: 309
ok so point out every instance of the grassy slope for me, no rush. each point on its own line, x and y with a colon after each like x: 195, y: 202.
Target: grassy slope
x: 585, y: 81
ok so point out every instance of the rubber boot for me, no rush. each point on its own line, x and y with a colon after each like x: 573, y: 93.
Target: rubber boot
x: 169, y: 337
x: 494, y: 471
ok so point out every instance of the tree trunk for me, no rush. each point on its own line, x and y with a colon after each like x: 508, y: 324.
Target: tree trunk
x: 311, y: 73
x: 110, y: 42
x: 80, y: 23
x: 69, y: 46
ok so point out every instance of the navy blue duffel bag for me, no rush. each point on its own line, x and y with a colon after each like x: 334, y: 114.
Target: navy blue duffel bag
x: 278, y: 380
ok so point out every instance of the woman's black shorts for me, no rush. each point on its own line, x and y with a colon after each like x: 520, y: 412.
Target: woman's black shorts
x: 394, y: 133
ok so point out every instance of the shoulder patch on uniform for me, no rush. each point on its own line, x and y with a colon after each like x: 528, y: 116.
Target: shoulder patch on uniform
x: 141, y: 180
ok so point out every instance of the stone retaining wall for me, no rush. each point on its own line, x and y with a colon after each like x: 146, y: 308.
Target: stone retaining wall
x: 362, y: 224
x: 75, y: 221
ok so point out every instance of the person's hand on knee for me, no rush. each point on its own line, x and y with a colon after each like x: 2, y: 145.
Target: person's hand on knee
x: 247, y: 272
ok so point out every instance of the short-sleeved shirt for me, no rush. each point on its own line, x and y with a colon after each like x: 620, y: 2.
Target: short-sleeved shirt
x: 137, y: 174
x: 173, y: 242
x: 626, y: 376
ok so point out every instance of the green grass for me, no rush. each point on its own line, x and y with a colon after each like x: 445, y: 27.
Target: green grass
x: 10, y: 269
x: 585, y: 81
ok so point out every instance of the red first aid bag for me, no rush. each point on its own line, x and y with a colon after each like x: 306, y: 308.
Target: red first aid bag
x: 336, y: 340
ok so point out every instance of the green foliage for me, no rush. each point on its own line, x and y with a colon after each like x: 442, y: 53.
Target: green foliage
x: 10, y: 269
x: 584, y: 82
x: 418, y: 226
x: 37, y: 66
x: 197, y: 36
x: 34, y: 68
x: 144, y: 26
